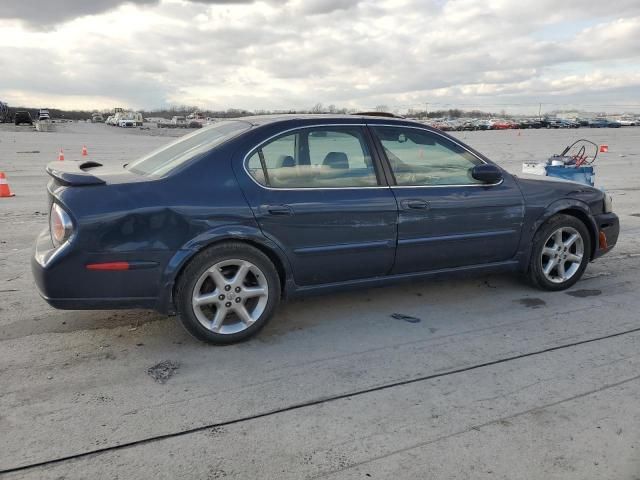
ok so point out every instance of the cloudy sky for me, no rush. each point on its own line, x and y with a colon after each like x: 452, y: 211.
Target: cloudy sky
x: 279, y: 54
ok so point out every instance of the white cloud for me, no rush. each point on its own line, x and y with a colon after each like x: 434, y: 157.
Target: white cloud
x: 274, y: 54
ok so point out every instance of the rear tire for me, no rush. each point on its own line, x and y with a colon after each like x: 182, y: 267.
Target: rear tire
x: 560, y: 253
x: 227, y: 293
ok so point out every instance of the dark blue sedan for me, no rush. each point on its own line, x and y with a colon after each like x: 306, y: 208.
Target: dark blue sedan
x: 222, y: 224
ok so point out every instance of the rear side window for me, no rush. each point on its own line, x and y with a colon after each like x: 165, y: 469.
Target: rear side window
x: 328, y: 157
x: 421, y: 158
x: 169, y: 157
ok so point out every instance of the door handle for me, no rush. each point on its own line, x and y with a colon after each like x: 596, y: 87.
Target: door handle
x: 277, y: 209
x: 414, y: 204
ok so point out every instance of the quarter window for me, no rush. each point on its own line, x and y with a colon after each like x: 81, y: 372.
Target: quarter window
x: 315, y: 158
x: 421, y: 158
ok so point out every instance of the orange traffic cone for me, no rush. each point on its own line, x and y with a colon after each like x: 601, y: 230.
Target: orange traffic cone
x: 4, y: 187
x: 61, y: 155
x: 84, y: 151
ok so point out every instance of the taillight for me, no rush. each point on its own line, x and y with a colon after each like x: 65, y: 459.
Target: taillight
x: 60, y: 225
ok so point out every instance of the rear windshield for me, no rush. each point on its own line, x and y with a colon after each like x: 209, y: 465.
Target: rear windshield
x: 169, y: 157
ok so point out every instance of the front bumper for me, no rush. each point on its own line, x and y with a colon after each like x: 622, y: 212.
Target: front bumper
x: 608, y: 226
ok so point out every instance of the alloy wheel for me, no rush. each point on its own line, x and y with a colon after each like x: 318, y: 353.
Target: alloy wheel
x: 562, y: 254
x: 230, y: 296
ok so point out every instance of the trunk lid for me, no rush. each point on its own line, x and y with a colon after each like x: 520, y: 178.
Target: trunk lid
x: 89, y: 173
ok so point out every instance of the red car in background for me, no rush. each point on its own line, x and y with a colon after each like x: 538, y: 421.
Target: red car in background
x: 501, y: 125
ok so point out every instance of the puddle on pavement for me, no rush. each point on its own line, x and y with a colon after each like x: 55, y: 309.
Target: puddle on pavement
x: 532, y: 302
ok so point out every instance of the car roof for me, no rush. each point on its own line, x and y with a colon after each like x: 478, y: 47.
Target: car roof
x: 302, y: 120
x: 260, y: 120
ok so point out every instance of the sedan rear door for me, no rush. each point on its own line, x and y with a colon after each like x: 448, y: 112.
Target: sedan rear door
x: 317, y: 193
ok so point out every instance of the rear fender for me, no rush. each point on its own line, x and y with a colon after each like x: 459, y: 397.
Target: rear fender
x: 181, y: 258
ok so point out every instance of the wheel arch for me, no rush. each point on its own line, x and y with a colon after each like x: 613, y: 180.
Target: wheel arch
x: 574, y: 208
x: 249, y: 236
x: 588, y: 222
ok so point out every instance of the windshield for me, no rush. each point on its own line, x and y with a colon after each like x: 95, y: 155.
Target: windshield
x: 169, y: 157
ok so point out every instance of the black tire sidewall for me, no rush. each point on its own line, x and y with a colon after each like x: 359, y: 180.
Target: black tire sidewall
x: 203, y: 261
x: 535, y: 266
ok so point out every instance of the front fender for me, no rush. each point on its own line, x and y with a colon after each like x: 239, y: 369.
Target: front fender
x: 552, y: 209
x: 190, y: 249
x: 566, y: 204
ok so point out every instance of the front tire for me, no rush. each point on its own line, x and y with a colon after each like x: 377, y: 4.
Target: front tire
x: 560, y: 253
x: 227, y: 293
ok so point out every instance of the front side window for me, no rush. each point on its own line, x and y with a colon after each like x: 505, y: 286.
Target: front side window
x: 169, y: 157
x: 421, y: 158
x: 327, y: 157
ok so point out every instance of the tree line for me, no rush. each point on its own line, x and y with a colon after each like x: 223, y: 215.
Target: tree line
x: 318, y: 108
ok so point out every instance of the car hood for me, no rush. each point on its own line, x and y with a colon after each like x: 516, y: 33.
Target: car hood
x: 546, y: 190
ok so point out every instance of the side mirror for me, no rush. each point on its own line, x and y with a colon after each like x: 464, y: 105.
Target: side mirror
x: 486, y: 173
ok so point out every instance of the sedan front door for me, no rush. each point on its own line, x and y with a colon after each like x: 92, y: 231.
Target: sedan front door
x: 447, y: 219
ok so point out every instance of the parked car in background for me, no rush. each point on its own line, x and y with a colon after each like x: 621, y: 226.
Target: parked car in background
x: 22, y: 116
x: 500, y: 124
x: 196, y: 117
x: 468, y: 126
x: 443, y: 125
x: 43, y: 115
x: 482, y: 124
x: 555, y: 123
x: 599, y: 123
x: 125, y: 122
x: 530, y: 123
x: 130, y: 119
x: 223, y: 223
x: 564, y: 123
x: 97, y: 118
x: 179, y: 121
x: 628, y: 122
x: 604, y: 123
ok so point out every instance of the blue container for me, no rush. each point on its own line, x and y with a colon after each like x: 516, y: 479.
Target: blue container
x: 583, y: 174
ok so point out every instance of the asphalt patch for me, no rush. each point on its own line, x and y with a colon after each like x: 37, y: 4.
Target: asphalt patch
x: 406, y: 318
x: 532, y: 302
x: 584, y: 293
x: 163, y: 371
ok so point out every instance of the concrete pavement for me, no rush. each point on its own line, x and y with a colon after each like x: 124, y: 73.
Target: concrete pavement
x: 497, y: 380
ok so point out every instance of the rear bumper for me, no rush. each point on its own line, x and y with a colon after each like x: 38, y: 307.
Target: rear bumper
x: 64, y: 282
x: 101, y: 303
x: 608, y: 226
